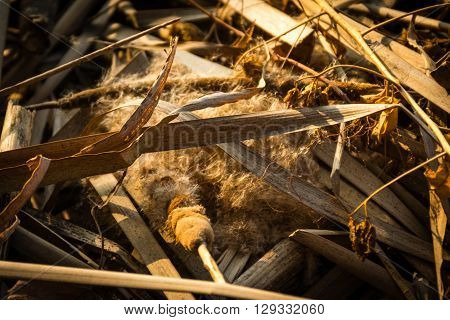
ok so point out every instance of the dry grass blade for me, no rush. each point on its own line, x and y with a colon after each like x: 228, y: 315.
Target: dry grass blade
x: 442, y: 154
x: 82, y: 59
x: 276, y: 268
x: 365, y: 270
x: 385, y: 71
x: 404, y: 286
x: 365, y: 181
x: 335, y: 284
x: 70, y: 230
x: 67, y: 164
x: 234, y: 268
x: 271, y: 20
x: 413, y: 41
x: 140, y: 236
x: 33, y: 214
x: 38, y: 167
x: 30, y: 245
x: 132, y: 128
x: 217, y: 99
x: 213, y: 100
x: 335, y: 175
x: 318, y: 200
x: 438, y: 223
x: 18, y: 270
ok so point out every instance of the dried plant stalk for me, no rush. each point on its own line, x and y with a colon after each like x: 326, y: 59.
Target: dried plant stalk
x: 17, y: 270
x: 128, y: 218
x: 82, y: 59
x: 385, y: 71
x: 365, y: 270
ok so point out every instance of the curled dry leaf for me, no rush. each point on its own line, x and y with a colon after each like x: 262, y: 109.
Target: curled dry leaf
x: 440, y: 179
x: 292, y: 97
x: 388, y: 119
x: 362, y: 237
x: 386, y: 123
x: 413, y: 40
x: 9, y: 230
x: 38, y: 166
x: 438, y: 222
x: 311, y: 96
x: 132, y: 128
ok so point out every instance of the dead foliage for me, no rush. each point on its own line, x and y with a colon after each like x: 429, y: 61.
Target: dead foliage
x: 281, y: 145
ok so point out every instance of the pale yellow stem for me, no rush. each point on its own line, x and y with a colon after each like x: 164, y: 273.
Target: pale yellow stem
x: 210, y: 264
x: 367, y: 51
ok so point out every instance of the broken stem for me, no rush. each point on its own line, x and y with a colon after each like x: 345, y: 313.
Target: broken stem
x: 210, y: 264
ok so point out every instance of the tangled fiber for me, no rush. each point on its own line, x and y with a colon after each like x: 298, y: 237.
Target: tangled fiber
x: 244, y: 211
x: 189, y: 224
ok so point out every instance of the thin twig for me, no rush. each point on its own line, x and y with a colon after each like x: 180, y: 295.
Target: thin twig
x: 239, y: 33
x: 319, y: 75
x: 402, y: 16
x: 315, y: 74
x: 278, y: 36
x: 82, y: 59
x: 367, y: 51
x: 396, y: 179
x: 403, y: 285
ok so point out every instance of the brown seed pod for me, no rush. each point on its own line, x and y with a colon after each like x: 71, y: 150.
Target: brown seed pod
x: 190, y: 226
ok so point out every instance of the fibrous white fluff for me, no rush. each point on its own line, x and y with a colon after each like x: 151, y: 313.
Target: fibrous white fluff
x: 244, y: 210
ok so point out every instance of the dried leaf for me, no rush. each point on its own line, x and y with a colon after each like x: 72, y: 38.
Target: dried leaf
x: 292, y: 97
x: 67, y: 164
x: 438, y: 222
x: 132, y: 128
x: 39, y: 166
x: 386, y: 123
x: 362, y: 236
x: 440, y: 179
x: 312, y: 96
x: 413, y: 41
x: 186, y: 31
x: 388, y: 119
